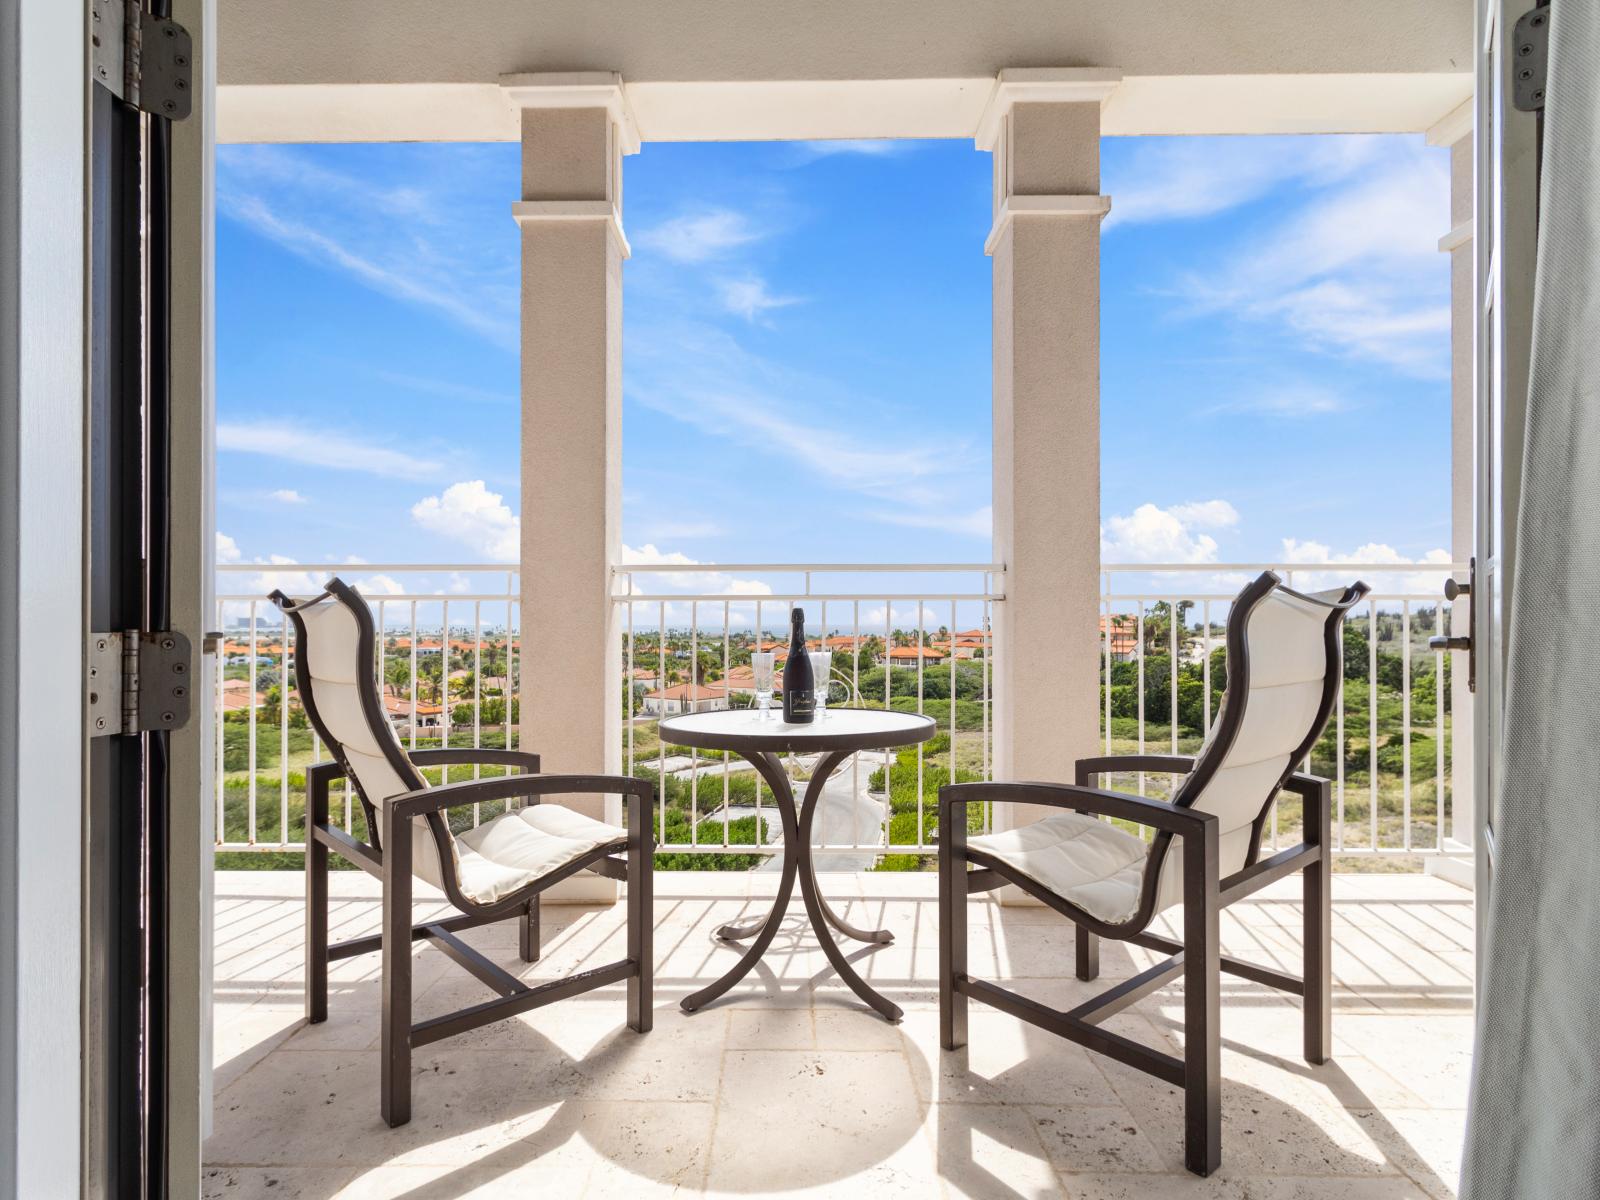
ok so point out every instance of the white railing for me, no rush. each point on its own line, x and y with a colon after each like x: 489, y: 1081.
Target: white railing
x: 883, y: 803
x: 1385, y: 803
x: 694, y: 623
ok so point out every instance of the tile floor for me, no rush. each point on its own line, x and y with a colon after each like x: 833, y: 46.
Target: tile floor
x: 789, y: 1087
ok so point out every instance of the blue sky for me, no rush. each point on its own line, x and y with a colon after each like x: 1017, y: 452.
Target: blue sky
x: 807, y: 351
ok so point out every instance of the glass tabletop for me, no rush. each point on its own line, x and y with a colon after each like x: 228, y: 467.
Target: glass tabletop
x: 834, y: 729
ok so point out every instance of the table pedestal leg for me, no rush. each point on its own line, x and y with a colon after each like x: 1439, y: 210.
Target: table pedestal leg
x: 797, y: 860
x: 767, y: 927
x: 817, y: 909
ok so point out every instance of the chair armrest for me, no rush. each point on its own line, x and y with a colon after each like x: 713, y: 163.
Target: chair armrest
x: 1177, y: 764
x: 475, y: 756
x: 1316, y: 798
x: 325, y: 773
x: 512, y: 787
x: 1157, y: 814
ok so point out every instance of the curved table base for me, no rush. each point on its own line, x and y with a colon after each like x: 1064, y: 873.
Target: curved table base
x: 737, y: 932
x: 797, y: 860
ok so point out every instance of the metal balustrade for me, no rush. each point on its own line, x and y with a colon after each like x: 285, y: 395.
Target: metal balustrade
x: 695, y: 623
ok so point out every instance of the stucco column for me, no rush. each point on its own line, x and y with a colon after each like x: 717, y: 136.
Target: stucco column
x: 575, y: 130
x: 1455, y: 131
x: 1043, y: 127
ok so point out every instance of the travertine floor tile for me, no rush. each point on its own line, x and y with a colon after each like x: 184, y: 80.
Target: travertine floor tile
x: 790, y: 1086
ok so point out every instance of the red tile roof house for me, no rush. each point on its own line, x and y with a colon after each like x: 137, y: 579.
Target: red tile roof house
x: 910, y: 654
x: 428, y: 715
x: 686, y: 698
x: 237, y: 696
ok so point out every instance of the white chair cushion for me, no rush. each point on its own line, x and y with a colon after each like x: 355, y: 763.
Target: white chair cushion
x: 1084, y: 860
x: 524, y: 845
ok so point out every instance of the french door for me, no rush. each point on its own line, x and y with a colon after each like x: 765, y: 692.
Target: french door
x: 1506, y: 226
x: 140, y: 670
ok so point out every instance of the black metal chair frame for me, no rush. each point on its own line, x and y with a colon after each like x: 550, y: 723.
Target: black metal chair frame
x: 1197, y: 957
x: 389, y: 858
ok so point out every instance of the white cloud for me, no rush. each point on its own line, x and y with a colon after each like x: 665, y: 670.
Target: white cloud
x: 286, y: 496
x: 1419, y: 583
x: 1151, y: 534
x: 1207, y: 514
x: 1354, y: 272
x: 319, y: 448
x: 471, y: 514
x: 1164, y: 179
x: 750, y: 298
x: 697, y: 237
x: 299, y: 583
x: 699, y: 582
x: 227, y: 548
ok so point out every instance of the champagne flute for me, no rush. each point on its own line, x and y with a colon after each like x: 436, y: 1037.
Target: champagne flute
x: 761, y: 667
x: 821, y: 668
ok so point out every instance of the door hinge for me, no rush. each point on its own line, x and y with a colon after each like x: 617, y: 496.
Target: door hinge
x: 1530, y: 59
x: 143, y: 59
x: 139, y: 682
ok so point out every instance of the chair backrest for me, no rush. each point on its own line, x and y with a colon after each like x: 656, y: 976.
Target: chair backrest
x: 1284, y: 666
x: 335, y: 667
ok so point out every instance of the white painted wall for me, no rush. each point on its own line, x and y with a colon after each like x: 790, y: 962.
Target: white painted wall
x: 43, y: 54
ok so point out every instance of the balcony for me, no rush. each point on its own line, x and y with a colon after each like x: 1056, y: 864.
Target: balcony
x: 734, y: 1099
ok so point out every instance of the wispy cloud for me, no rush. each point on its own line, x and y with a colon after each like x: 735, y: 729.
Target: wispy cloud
x: 311, y: 447
x: 700, y: 237
x: 1166, y: 179
x: 319, y: 248
x: 427, y: 248
x: 1293, y: 401
x: 869, y: 147
x: 1354, y: 272
x: 976, y: 523
x: 286, y: 496
x: 704, y: 377
x: 750, y: 297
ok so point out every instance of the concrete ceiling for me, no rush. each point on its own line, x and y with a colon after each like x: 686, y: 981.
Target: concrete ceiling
x: 716, y: 69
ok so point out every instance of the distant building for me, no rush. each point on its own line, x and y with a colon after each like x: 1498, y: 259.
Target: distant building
x: 686, y: 698
x: 911, y: 655
x: 427, y: 715
x: 237, y: 696
x: 1124, y: 637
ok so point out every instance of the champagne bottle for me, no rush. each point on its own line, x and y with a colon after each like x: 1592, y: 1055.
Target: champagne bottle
x: 799, y: 687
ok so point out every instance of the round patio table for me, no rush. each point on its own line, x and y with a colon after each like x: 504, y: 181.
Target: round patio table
x: 836, y: 734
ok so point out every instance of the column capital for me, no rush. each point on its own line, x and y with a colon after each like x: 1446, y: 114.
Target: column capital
x: 576, y: 89
x: 1042, y: 85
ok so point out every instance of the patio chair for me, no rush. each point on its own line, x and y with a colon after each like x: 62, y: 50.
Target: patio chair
x: 493, y: 872
x: 1284, y: 665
